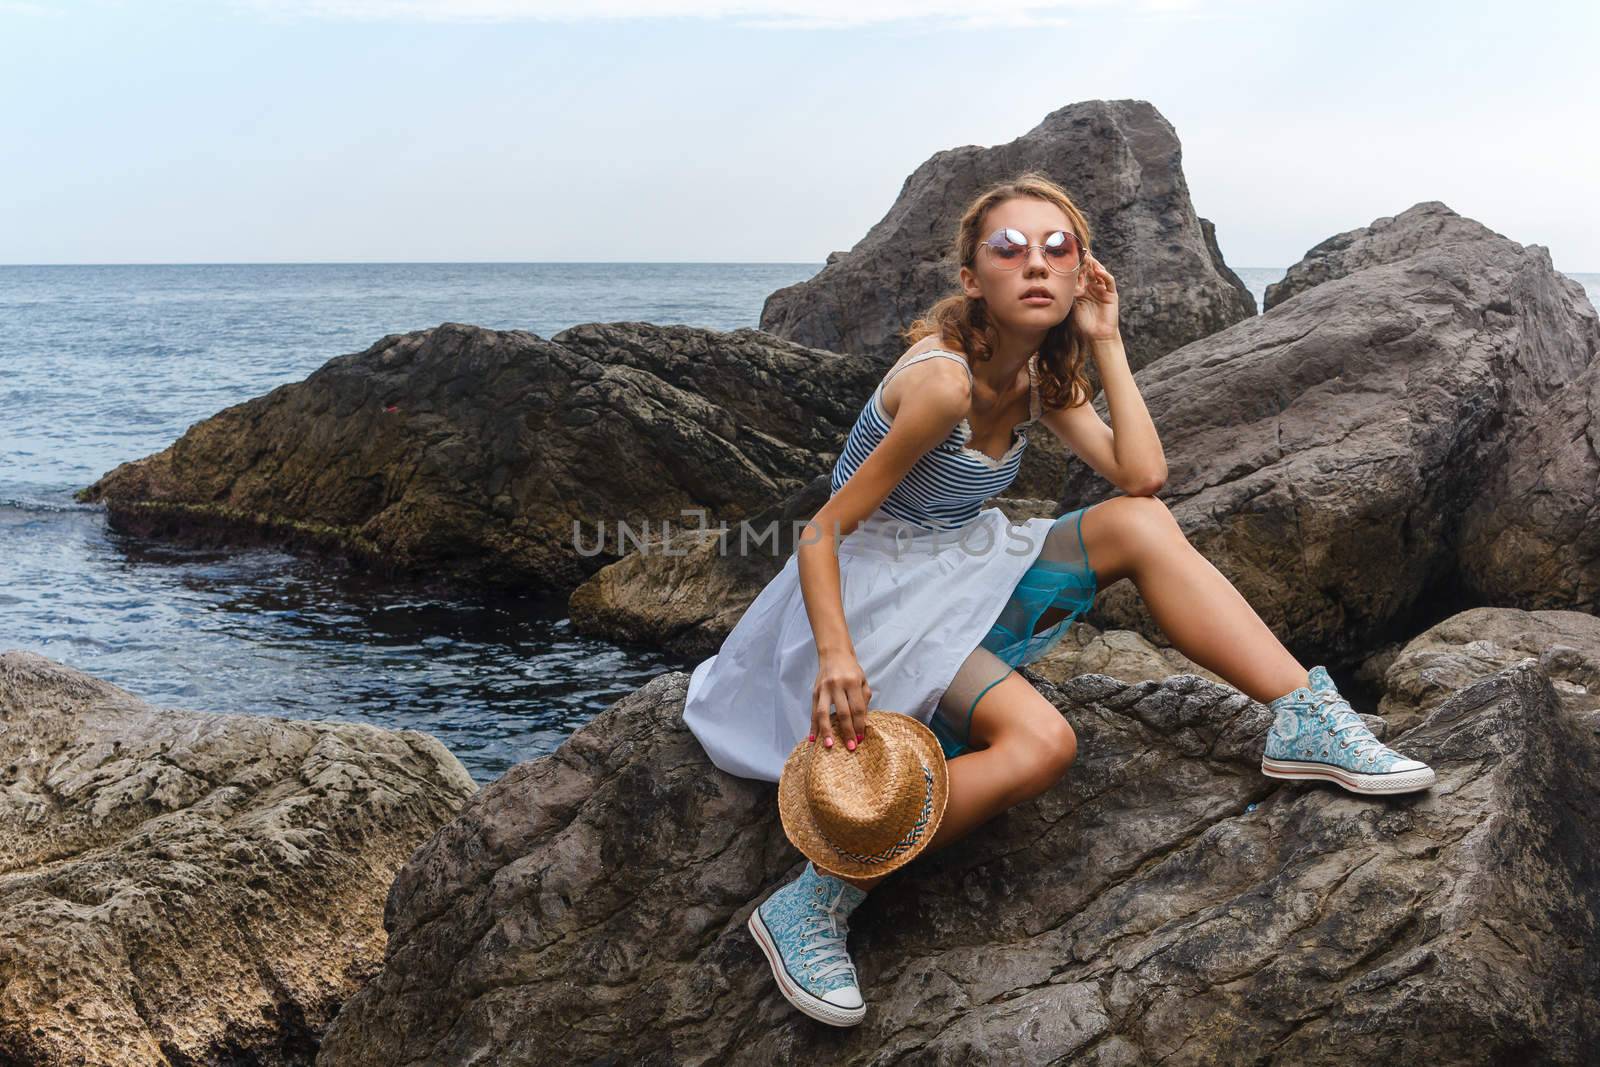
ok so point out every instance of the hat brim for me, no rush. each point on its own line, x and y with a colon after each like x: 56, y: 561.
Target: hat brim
x: 795, y: 810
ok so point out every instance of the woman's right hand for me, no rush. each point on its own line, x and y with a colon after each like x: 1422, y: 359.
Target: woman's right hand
x: 841, y: 684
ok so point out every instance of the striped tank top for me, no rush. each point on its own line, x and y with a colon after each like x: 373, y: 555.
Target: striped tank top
x: 946, y: 487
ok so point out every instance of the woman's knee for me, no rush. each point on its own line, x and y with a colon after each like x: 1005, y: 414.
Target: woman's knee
x: 1117, y: 531
x: 1144, y: 514
x: 1043, y: 753
x: 1038, y: 745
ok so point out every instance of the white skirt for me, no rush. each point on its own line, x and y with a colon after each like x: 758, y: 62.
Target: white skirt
x: 916, y: 603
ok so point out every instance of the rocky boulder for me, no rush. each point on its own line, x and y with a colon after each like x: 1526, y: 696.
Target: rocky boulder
x: 475, y: 455
x: 1385, y: 240
x: 180, y: 887
x: 1532, y: 535
x: 1120, y: 654
x: 1326, y: 455
x: 1164, y: 902
x: 1431, y: 667
x: 1121, y: 162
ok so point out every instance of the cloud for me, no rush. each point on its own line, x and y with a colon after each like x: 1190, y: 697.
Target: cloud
x: 769, y: 14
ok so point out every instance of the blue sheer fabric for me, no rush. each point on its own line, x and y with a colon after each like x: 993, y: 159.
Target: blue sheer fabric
x: 1060, y: 577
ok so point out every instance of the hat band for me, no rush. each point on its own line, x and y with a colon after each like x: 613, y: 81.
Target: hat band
x: 906, y: 842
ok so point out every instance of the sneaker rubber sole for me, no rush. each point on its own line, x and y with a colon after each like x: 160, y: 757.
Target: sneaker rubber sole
x: 1393, y: 782
x: 815, y: 1007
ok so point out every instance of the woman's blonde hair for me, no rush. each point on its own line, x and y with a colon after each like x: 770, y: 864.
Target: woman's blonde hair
x: 963, y: 321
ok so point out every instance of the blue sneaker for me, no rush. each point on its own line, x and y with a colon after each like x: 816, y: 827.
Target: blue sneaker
x: 1316, y: 734
x: 802, y: 929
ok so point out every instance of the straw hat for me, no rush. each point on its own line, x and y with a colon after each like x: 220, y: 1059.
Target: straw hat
x: 865, y: 813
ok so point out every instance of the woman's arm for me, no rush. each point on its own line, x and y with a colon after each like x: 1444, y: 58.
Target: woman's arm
x: 929, y: 410
x: 1131, y: 457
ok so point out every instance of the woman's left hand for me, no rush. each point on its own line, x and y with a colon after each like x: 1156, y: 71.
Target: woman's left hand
x: 1094, y: 314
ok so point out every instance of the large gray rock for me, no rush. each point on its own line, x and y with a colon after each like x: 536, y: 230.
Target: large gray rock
x: 1165, y: 902
x: 1121, y: 162
x: 472, y: 454
x: 179, y: 887
x: 1324, y: 456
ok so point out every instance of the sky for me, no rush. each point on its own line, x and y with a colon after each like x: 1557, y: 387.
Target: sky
x: 742, y: 131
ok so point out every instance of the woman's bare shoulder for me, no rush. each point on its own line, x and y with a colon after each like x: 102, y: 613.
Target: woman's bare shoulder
x: 934, y: 368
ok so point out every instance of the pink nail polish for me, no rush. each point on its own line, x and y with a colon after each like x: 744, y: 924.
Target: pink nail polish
x: 813, y: 737
x: 858, y: 738
x: 851, y: 745
x: 827, y: 742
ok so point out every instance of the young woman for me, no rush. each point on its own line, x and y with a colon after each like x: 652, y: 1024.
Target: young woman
x: 906, y: 594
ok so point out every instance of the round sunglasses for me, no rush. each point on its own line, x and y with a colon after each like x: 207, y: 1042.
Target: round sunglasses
x: 1007, y: 249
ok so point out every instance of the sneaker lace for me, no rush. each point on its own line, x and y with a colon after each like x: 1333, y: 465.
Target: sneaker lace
x: 1341, y: 718
x: 827, y: 955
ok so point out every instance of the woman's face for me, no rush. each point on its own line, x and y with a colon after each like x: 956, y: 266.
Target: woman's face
x: 1004, y: 290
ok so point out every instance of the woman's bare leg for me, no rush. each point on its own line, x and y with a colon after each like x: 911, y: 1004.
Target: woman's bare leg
x: 1198, y: 609
x: 1025, y: 746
